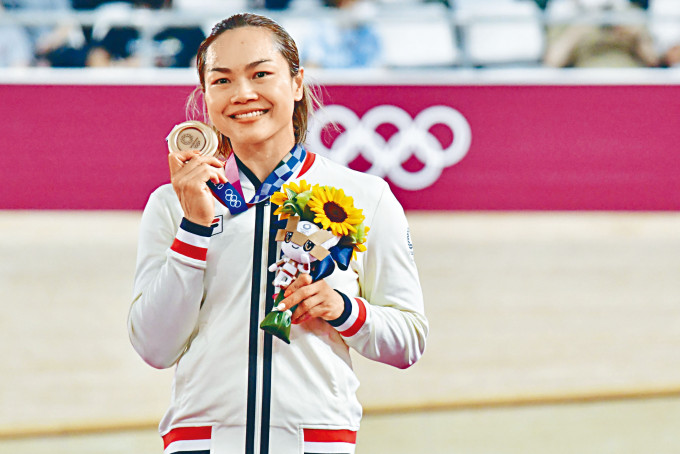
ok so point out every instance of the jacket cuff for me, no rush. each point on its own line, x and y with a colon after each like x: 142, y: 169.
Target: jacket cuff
x: 192, y: 240
x: 353, y: 316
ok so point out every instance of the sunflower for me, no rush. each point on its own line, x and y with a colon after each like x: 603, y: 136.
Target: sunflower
x: 358, y: 239
x: 334, y: 210
x: 287, y: 199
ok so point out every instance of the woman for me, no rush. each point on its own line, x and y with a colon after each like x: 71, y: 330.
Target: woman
x: 202, y: 286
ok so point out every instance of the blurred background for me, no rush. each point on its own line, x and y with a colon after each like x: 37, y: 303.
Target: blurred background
x: 533, y: 145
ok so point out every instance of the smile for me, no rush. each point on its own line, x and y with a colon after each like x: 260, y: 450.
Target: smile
x: 253, y: 114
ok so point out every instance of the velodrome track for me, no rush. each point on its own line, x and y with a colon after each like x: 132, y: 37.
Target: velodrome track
x: 551, y: 332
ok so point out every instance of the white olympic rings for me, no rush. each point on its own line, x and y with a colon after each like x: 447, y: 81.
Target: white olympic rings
x: 230, y: 197
x: 413, y: 138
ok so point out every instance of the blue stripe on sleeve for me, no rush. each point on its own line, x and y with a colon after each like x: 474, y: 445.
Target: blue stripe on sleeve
x: 196, y: 229
x: 345, y: 313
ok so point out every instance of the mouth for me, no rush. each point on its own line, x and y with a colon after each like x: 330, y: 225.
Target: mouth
x: 248, y: 115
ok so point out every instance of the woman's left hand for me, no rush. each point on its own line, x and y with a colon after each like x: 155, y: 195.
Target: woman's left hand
x: 314, y: 299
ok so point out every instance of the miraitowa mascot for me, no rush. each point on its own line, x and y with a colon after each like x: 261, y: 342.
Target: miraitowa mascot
x: 323, y: 230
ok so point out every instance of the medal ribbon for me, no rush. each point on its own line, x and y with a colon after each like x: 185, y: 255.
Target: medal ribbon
x: 230, y: 194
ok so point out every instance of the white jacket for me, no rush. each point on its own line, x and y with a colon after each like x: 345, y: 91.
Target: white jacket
x: 199, y: 299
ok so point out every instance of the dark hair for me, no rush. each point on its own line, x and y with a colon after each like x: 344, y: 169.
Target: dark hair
x: 286, y: 45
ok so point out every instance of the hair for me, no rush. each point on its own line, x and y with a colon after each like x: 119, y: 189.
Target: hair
x: 285, y: 44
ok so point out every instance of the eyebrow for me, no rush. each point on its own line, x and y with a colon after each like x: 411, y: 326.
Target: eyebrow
x: 250, y: 65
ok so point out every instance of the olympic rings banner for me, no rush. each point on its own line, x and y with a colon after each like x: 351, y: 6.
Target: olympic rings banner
x: 440, y: 147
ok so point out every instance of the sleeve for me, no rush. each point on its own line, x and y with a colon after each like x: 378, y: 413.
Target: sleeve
x: 168, y: 284
x: 386, y: 322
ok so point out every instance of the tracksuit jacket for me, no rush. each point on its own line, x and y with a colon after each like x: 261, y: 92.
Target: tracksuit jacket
x: 200, y: 294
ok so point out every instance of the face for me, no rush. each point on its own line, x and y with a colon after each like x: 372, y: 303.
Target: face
x: 249, y: 91
x: 297, y: 251
x: 300, y: 251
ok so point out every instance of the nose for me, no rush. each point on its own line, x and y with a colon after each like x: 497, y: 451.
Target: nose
x: 243, y: 91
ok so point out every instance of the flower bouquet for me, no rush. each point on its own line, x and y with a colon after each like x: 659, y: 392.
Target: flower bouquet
x: 323, y: 230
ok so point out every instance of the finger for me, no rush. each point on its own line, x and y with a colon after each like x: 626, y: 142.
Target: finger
x: 214, y: 162
x: 203, y: 172
x: 295, y: 298
x: 310, y: 307
x: 200, y: 169
x: 177, y: 159
x: 302, y: 319
x: 301, y: 281
x: 322, y: 302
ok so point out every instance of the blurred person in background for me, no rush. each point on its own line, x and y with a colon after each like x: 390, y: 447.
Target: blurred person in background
x: 670, y: 58
x: 116, y: 45
x: 644, y: 4
x: 664, y: 20
x: 62, y: 45
x: 601, y: 45
x: 16, y: 48
x: 344, y: 39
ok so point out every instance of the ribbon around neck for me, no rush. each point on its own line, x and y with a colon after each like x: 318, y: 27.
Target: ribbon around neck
x: 230, y: 194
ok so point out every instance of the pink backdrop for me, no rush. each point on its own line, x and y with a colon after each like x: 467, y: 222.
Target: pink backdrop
x: 533, y: 147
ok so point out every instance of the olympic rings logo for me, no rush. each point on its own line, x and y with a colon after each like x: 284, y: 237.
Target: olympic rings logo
x: 387, y: 156
x: 230, y: 196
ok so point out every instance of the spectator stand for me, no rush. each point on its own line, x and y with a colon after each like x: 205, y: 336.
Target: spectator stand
x: 664, y: 25
x: 500, y: 32
x: 469, y: 34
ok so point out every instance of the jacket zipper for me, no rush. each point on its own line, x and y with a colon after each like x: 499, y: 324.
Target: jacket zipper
x: 260, y: 344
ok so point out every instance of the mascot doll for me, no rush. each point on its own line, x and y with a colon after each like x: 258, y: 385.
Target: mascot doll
x: 323, y: 230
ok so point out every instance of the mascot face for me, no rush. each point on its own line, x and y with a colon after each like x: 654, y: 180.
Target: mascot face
x: 299, y: 250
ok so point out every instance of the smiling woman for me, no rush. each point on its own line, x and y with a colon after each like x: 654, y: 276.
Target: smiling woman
x: 202, y: 284
x: 278, y: 56
x: 251, y: 96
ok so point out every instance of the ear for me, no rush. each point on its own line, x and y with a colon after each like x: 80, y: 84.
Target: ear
x: 298, y: 84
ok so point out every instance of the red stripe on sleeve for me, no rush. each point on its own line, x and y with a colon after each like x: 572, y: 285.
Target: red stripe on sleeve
x: 187, y: 433
x: 194, y: 252
x: 361, y: 319
x: 309, y: 160
x: 326, y: 436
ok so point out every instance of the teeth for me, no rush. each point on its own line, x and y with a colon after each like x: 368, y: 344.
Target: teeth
x: 249, y: 114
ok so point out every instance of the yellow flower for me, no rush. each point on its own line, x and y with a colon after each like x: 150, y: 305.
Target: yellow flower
x: 334, y: 210
x: 288, y: 192
x: 278, y: 198
x: 359, y: 239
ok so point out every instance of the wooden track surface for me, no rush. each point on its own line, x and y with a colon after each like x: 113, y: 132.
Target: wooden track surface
x: 524, y: 307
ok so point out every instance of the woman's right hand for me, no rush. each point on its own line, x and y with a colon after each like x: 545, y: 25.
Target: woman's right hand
x: 189, y: 172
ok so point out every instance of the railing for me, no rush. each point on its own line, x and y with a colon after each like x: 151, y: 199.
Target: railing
x: 451, y: 50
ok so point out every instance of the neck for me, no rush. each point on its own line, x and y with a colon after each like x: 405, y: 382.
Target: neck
x: 262, y: 160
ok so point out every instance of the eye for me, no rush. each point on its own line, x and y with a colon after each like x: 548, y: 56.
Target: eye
x: 220, y: 81
x: 308, y: 246
x: 260, y: 74
x: 289, y: 235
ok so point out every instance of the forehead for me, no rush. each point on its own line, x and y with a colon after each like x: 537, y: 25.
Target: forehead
x: 241, y: 46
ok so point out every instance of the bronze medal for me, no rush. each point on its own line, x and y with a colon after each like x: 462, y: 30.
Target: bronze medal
x: 193, y: 135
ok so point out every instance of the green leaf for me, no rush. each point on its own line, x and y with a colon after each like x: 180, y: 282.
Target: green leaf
x: 290, y: 193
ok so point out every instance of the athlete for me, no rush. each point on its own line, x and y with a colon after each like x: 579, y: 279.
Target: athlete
x: 202, y: 284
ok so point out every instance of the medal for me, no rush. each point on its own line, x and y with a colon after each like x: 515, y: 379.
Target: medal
x: 193, y: 135
x: 196, y: 135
